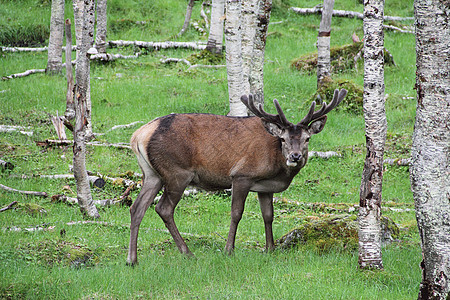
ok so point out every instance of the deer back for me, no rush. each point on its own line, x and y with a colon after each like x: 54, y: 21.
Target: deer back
x: 215, y: 148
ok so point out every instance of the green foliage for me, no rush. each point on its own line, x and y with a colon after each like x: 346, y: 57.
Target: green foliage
x: 29, y: 35
x: 352, y: 103
x: 342, y: 58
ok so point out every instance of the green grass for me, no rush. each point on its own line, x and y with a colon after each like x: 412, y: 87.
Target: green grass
x: 39, y: 264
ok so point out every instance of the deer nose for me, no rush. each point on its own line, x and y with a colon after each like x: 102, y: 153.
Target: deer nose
x: 295, y: 156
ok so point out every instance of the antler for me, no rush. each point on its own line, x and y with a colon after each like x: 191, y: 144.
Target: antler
x: 312, y: 115
x: 279, y: 119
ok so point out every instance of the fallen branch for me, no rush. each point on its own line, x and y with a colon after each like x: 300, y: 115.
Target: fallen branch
x: 343, y: 13
x: 158, y: 45
x: 29, y: 49
x: 23, y: 74
x: 30, y: 193
x: 111, y: 57
x: 9, y: 206
x: 115, y: 127
x: 185, y: 61
x: 12, y: 128
x: 93, y: 180
x: 391, y: 27
x: 53, y: 143
x: 325, y: 155
x: 398, y: 161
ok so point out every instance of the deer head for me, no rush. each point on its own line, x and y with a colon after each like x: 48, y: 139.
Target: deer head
x: 294, y: 137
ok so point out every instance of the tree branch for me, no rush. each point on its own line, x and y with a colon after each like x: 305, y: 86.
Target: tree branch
x: 343, y: 13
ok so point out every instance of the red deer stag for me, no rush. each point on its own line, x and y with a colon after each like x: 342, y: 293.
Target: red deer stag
x: 260, y: 154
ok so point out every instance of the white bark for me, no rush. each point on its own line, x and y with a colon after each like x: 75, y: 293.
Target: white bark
x: 323, y: 43
x: 343, y: 13
x: 248, y: 33
x: 430, y: 166
x: 234, y: 57
x: 29, y: 49
x: 55, y: 42
x: 158, y: 45
x: 100, y: 37
x: 70, y: 105
x: 376, y: 125
x: 84, y: 196
x: 215, y: 39
x: 259, y: 46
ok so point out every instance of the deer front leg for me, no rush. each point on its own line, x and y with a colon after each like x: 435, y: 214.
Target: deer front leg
x: 266, y: 204
x: 240, y: 189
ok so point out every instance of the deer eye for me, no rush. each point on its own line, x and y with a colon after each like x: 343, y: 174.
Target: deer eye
x: 307, y: 140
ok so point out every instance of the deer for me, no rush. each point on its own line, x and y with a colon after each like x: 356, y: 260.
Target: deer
x: 260, y: 153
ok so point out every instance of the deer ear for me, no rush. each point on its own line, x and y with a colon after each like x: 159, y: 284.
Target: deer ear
x: 272, y: 128
x: 317, y: 126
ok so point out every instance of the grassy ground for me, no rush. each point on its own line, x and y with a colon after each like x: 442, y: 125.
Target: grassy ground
x: 87, y: 261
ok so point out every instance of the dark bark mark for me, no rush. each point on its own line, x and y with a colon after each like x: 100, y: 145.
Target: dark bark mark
x: 324, y: 33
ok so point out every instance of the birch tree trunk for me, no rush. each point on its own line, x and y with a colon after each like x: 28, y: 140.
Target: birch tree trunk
x: 78, y: 11
x: 84, y: 196
x: 257, y: 68
x: 430, y: 167
x: 187, y: 17
x: 55, y: 42
x: 248, y: 33
x: 376, y: 124
x: 70, y: 105
x: 215, y: 38
x: 100, y: 37
x: 234, y: 57
x: 323, y: 43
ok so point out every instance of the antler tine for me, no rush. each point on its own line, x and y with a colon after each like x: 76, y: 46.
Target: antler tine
x: 337, y: 98
x: 308, y: 117
x: 283, y: 118
x: 259, y: 111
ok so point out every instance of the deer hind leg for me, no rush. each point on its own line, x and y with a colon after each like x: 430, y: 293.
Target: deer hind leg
x: 173, y: 191
x: 152, y: 184
x: 266, y: 204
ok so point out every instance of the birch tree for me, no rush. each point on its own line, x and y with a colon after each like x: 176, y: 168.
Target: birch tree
x: 100, y: 37
x: 215, y: 38
x: 84, y: 196
x: 85, y: 16
x: 430, y: 167
x: 233, y: 42
x: 55, y: 42
x: 187, y: 17
x: 369, y: 215
x: 257, y: 68
x: 323, y: 43
x: 248, y: 33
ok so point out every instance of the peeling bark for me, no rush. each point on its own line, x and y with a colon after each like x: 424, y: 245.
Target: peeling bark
x: 376, y: 125
x: 430, y: 166
x: 84, y: 196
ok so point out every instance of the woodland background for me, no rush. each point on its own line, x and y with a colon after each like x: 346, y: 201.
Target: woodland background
x: 47, y: 249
